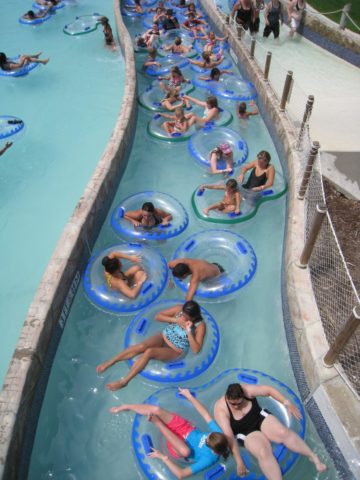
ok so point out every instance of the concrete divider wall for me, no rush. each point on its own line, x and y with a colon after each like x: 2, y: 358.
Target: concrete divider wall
x: 63, y: 272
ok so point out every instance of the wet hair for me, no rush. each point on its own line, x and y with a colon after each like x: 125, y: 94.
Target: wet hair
x: 30, y: 14
x: 219, y: 444
x: 232, y: 184
x: 212, y: 102
x: 177, y: 41
x: 176, y: 70
x: 181, y: 270
x: 234, y: 392
x: 242, y: 107
x: 206, y: 57
x: 179, y: 111
x: 215, y: 72
x: 104, y: 20
x: 152, y: 52
x: 148, y: 207
x: 191, y: 6
x: 192, y: 309
x: 111, y: 265
x: 169, y: 12
x: 265, y: 156
x: 3, y: 58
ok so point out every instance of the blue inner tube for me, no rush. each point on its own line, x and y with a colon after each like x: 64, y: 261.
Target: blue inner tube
x: 225, y: 64
x: 165, y: 202
x: 152, y: 96
x: 228, y: 249
x: 248, y: 208
x: 166, y: 64
x: 232, y: 88
x: 201, y: 144
x: 83, y: 24
x: 185, y: 368
x: 145, y: 435
x: 10, y: 126
x: 19, y: 72
x: 198, y: 82
x: 114, y: 302
x: 35, y: 21
x: 44, y: 7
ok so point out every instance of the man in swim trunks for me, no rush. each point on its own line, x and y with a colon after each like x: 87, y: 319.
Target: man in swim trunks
x: 199, y: 270
x: 240, y: 416
x: 148, y: 216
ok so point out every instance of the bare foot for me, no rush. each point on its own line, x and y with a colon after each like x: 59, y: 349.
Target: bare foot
x: 206, y: 212
x: 44, y: 62
x: 102, y: 367
x: 320, y: 467
x: 37, y: 55
x: 116, y: 385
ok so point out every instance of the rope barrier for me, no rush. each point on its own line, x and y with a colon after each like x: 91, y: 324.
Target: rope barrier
x: 352, y: 21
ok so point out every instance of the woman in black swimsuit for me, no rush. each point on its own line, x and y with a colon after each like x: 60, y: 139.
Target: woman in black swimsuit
x: 261, y: 177
x: 244, y: 13
x: 108, y: 34
x: 239, y: 415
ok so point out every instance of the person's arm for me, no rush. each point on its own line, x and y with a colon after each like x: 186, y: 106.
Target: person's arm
x: 166, y: 115
x: 266, y: 13
x: 223, y: 420
x: 211, y: 115
x: 133, y: 216
x: 234, y: 10
x: 290, y: 8
x: 267, y: 391
x: 196, y: 341
x: 281, y: 13
x: 165, y: 216
x: 124, y: 288
x: 205, y: 77
x: 120, y: 255
x: 186, y: 26
x: 6, y: 146
x: 151, y: 63
x: 175, y: 469
x: 171, y: 106
x: 172, y: 264
x: 167, y: 47
x: 244, y: 169
x: 169, y: 314
x: 237, y: 202
x: 200, y: 408
x: 212, y: 187
x: 195, y: 100
x: 194, y: 282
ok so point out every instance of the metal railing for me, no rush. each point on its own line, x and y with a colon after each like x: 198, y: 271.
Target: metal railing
x: 336, y: 296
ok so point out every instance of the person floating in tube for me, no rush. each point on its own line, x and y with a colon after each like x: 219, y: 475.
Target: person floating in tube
x: 148, y: 216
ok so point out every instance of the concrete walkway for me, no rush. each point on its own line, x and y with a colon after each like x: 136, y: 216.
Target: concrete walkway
x: 335, y: 120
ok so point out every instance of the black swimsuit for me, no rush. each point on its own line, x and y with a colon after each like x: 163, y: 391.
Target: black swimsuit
x: 255, y: 181
x: 251, y: 422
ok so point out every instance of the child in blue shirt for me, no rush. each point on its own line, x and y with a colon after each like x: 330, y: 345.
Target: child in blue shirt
x: 183, y: 439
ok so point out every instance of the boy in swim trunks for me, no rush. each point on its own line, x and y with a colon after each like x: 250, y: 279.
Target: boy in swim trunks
x: 199, y: 270
x: 231, y: 200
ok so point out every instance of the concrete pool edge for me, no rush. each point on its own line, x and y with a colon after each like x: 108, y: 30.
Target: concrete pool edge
x: 322, y: 389
x: 68, y: 258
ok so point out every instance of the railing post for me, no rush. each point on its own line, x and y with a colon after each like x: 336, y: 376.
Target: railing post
x: 252, y: 48
x: 227, y: 19
x: 267, y: 66
x: 343, y: 337
x: 308, y: 170
x: 307, y: 113
x: 344, y: 19
x: 239, y: 31
x: 313, y: 233
x: 286, y: 90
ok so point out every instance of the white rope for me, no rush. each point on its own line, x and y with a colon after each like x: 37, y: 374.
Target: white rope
x: 323, y: 13
x: 352, y: 21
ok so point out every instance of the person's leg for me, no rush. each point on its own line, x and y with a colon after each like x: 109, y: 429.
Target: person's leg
x: 175, y: 441
x: 267, y: 31
x: 131, y: 352
x: 276, y: 30
x: 163, y: 353
x: 214, y: 206
x: 275, y: 431
x: 259, y: 446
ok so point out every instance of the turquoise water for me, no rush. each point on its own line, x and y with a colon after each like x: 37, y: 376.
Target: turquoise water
x: 69, y: 107
x: 77, y: 438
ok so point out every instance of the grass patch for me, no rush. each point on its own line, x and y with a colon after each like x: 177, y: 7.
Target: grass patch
x: 331, y: 5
